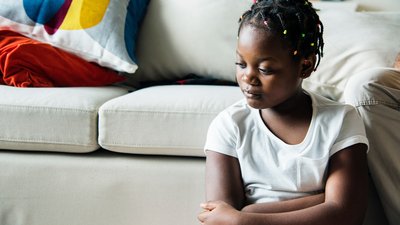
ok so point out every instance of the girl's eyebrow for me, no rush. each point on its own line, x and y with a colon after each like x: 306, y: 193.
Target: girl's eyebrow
x: 261, y: 59
x: 268, y: 58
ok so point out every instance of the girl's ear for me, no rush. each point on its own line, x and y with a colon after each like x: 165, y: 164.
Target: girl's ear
x: 308, y: 65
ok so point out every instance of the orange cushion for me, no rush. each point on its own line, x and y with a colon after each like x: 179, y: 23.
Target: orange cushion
x: 28, y: 63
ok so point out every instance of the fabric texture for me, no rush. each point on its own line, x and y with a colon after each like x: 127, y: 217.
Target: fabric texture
x: 100, y: 188
x: 163, y: 120
x: 376, y: 95
x: 55, y: 119
x: 177, y: 40
x: 196, y: 37
x: 273, y: 170
x: 101, y: 31
x: 351, y: 47
x: 28, y: 63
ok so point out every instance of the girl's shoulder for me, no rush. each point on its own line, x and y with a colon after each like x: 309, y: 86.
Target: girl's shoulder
x: 238, y: 111
x: 238, y: 106
x: 322, y: 103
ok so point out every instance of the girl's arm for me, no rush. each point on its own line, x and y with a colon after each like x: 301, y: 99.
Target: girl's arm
x: 345, y: 198
x: 285, y: 206
x: 223, y: 179
x: 224, y: 183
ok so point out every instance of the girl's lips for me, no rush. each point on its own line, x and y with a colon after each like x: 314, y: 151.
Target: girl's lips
x: 251, y: 94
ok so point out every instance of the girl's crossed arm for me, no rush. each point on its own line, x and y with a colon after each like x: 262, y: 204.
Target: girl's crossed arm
x: 344, y: 201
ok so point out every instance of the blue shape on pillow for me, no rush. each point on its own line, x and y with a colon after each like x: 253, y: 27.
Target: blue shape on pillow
x: 42, y: 11
x: 134, y: 17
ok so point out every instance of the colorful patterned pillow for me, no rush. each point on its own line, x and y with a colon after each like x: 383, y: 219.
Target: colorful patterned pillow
x: 101, y: 31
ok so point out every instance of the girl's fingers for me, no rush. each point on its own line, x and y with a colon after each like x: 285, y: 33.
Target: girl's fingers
x: 208, y: 205
x: 202, y: 216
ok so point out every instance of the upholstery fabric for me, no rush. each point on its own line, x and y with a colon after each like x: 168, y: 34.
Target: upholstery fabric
x: 100, y: 188
x: 163, y: 120
x: 54, y: 119
x: 101, y: 31
x: 354, y: 41
x: 169, y: 48
x: 196, y: 37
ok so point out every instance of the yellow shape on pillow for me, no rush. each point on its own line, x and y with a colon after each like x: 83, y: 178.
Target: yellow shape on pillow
x: 84, y: 14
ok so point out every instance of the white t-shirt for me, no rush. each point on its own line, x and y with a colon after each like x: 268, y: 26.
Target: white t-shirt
x: 273, y: 170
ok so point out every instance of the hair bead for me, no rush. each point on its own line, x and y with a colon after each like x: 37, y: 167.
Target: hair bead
x: 267, y: 25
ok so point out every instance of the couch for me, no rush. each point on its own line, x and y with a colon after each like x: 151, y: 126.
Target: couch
x: 132, y: 153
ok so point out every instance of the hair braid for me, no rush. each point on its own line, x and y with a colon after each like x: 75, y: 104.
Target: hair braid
x: 295, y: 20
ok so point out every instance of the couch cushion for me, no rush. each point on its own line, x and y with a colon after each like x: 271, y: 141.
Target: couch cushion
x: 165, y: 120
x: 51, y: 119
x: 198, y: 36
x: 353, y: 42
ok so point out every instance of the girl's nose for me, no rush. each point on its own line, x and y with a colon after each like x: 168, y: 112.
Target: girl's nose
x: 250, y: 77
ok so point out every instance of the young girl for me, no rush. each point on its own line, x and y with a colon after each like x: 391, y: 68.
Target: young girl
x: 283, y: 155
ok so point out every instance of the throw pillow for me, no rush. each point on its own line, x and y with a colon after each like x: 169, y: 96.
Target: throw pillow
x: 28, y: 63
x: 101, y: 31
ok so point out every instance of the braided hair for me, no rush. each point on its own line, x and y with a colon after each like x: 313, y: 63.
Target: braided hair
x: 295, y: 20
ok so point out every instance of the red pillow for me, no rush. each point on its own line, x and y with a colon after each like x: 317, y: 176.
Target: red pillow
x: 28, y: 63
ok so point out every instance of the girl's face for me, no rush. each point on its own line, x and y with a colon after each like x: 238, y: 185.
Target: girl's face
x: 266, y: 71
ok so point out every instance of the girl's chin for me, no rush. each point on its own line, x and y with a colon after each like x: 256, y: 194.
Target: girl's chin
x: 256, y: 103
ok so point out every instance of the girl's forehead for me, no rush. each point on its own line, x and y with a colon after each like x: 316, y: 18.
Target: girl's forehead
x: 257, y: 41
x: 251, y: 35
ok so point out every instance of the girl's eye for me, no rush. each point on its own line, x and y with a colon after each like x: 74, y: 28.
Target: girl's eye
x: 265, y: 71
x: 241, y: 65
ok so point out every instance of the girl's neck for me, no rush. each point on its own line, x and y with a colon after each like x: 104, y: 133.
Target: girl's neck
x: 290, y: 120
x: 299, y: 102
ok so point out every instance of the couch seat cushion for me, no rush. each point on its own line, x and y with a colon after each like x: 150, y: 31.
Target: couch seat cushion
x: 52, y: 119
x: 163, y: 120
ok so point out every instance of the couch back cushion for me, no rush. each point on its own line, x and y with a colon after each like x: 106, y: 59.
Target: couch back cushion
x: 196, y: 36
x: 354, y: 42
x: 199, y: 36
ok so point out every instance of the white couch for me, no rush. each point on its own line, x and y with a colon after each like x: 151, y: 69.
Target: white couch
x: 110, y: 155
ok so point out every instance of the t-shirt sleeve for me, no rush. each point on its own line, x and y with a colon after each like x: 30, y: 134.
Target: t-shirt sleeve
x: 352, y: 131
x: 221, y: 135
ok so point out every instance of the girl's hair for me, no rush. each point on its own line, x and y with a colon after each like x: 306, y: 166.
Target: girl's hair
x: 295, y: 20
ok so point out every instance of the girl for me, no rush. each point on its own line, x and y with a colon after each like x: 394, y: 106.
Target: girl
x: 283, y: 155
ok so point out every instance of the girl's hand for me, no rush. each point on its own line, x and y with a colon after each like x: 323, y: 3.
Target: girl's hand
x: 218, y: 213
